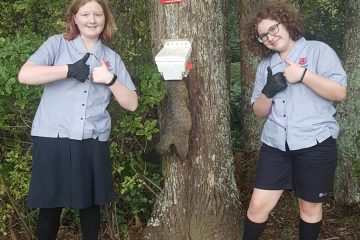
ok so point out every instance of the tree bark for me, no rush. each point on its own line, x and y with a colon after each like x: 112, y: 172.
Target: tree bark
x: 347, y: 181
x: 250, y: 124
x: 199, y: 198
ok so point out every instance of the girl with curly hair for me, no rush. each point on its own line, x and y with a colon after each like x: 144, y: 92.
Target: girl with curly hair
x: 296, y: 83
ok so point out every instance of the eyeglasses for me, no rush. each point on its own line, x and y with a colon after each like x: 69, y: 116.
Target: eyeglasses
x: 272, y: 31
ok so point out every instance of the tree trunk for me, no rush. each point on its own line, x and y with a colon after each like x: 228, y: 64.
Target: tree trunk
x: 199, y: 199
x: 251, y: 125
x: 347, y: 182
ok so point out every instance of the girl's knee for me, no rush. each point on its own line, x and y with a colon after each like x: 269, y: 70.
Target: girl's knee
x: 310, y: 212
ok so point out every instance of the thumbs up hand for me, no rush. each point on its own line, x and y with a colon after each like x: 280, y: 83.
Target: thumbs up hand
x: 101, y: 74
x: 275, y: 83
x: 79, y: 70
x: 293, y: 72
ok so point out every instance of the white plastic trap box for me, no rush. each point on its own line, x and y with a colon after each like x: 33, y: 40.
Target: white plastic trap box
x: 173, y: 59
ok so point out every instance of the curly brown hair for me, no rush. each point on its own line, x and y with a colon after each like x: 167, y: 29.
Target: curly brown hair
x: 278, y: 10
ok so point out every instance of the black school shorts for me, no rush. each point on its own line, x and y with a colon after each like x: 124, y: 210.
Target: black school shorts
x: 309, y: 172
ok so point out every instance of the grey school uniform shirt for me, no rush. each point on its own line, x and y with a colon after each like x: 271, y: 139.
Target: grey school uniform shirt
x: 298, y: 115
x: 68, y: 107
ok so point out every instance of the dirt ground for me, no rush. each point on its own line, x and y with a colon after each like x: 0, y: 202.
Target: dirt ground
x: 339, y: 222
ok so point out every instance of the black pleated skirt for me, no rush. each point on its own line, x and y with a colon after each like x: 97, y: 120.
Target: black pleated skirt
x: 70, y: 173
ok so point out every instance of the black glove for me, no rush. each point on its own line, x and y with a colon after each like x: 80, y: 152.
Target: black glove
x: 79, y: 70
x: 275, y: 84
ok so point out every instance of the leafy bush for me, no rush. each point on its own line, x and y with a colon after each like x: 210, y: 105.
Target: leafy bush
x: 324, y: 21
x: 133, y: 133
x: 16, y: 110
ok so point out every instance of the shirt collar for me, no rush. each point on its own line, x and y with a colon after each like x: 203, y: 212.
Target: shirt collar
x: 80, y: 47
x: 293, y: 54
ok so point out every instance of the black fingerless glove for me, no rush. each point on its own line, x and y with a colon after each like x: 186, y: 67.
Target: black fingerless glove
x: 79, y: 70
x: 275, y: 84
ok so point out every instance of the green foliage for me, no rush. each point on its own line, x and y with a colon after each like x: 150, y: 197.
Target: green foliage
x: 22, y: 29
x: 133, y: 36
x: 235, y: 104
x: 137, y: 182
x: 324, y: 21
x: 232, y: 25
x: 152, y: 91
x: 16, y: 110
x: 13, y: 53
x: 42, y: 17
x: 16, y: 170
x: 15, y: 179
x: 17, y: 101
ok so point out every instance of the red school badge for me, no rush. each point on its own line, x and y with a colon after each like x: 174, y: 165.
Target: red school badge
x: 107, y: 63
x: 302, y: 61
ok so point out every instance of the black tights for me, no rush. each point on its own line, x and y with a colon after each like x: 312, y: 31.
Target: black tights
x: 49, y: 221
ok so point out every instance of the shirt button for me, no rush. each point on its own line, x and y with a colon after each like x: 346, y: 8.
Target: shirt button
x: 85, y: 91
x: 284, y: 115
x: 82, y: 118
x: 82, y: 104
x: 283, y: 101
